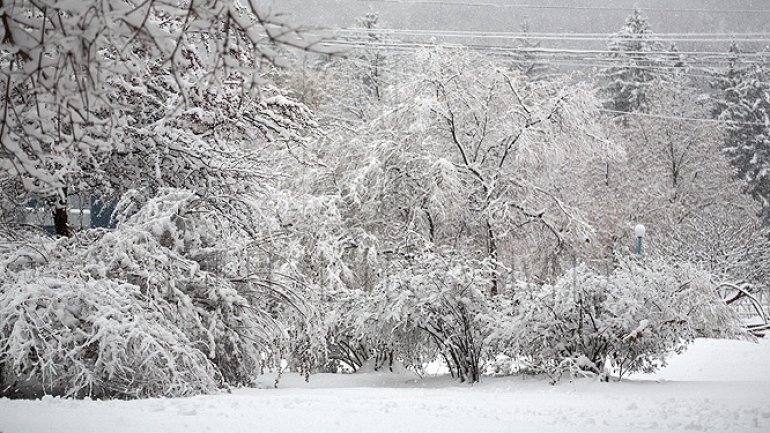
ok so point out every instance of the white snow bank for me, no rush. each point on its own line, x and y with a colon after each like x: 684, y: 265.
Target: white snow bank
x: 382, y: 402
x: 718, y: 360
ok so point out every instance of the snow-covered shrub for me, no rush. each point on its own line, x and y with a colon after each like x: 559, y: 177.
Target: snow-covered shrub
x: 435, y: 304
x: 634, y: 317
x: 364, y: 328
x: 70, y: 336
x: 174, y: 301
x: 183, y: 248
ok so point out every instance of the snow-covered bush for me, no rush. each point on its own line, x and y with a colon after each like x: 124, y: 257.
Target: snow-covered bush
x: 69, y: 336
x: 634, y: 318
x: 432, y: 307
x: 172, y: 302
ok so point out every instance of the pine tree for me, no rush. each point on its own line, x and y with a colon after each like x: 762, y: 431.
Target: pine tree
x: 526, y: 60
x: 372, y: 77
x: 728, y: 81
x: 635, y: 56
x: 743, y: 102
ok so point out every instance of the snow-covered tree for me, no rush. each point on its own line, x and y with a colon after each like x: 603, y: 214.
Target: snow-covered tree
x: 85, y: 81
x: 123, y: 100
x: 448, y: 166
x: 743, y: 102
x: 451, y: 157
x: 637, y: 61
x: 489, y: 137
x: 359, y: 77
x: 526, y: 61
x: 672, y: 175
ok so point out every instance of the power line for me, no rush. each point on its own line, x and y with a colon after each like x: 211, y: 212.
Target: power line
x: 472, y: 34
x: 689, y: 119
x: 707, y: 66
x: 694, y: 59
x: 703, y: 58
x: 567, y: 7
x: 709, y: 69
x: 395, y: 43
x: 536, y: 50
x: 704, y: 61
x: 692, y: 63
x: 523, y: 33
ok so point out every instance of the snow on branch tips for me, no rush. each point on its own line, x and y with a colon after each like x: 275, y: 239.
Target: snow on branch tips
x: 86, y: 84
x: 632, y: 319
x: 159, y: 306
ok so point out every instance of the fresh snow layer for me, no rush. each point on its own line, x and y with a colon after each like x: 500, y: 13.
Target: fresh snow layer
x: 719, y: 360
x: 717, y: 386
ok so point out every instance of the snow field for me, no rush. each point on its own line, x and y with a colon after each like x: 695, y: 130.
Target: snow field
x: 717, y: 386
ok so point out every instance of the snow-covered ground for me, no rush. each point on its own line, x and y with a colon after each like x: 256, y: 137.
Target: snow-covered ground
x: 719, y: 386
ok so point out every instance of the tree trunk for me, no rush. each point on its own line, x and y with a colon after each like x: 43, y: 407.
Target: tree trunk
x: 60, y: 217
x: 492, y: 253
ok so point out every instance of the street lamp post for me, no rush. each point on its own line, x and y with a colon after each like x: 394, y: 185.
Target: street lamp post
x: 639, y: 231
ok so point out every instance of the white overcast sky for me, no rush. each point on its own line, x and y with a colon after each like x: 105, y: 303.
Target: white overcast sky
x: 487, y: 18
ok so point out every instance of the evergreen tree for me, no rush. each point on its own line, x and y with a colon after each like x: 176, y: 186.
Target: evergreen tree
x: 743, y: 102
x: 745, y: 106
x: 526, y: 60
x: 372, y: 75
x: 728, y: 81
x: 636, y: 62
